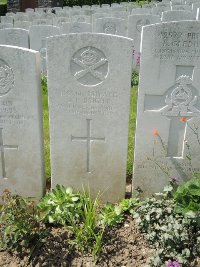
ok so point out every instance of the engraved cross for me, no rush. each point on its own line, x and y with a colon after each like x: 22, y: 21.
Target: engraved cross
x: 2, y: 150
x: 88, y: 138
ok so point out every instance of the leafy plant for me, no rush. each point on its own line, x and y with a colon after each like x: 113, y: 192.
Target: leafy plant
x: 174, y: 236
x: 61, y: 206
x: 111, y: 214
x: 187, y: 197
x: 19, y: 226
x: 88, y: 235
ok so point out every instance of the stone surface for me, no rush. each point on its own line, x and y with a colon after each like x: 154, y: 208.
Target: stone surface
x: 177, y: 15
x: 59, y: 20
x: 75, y: 27
x: 168, y: 106
x: 22, y: 24
x: 42, y: 22
x: 112, y: 26
x: 89, y: 111
x: 21, y: 133
x: 81, y: 18
x: 15, y: 37
x: 6, y: 25
x: 38, y: 32
x: 135, y: 24
x: 7, y: 19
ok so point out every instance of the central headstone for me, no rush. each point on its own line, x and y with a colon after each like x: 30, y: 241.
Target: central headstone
x: 89, y: 111
x: 168, y: 117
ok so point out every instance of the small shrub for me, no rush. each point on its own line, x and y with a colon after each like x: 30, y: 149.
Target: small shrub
x: 19, y: 226
x: 61, y: 206
x: 174, y: 236
x: 187, y: 197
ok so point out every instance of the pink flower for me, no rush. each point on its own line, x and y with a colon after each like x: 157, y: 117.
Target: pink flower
x: 171, y: 263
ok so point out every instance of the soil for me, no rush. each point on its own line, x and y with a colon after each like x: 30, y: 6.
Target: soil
x: 124, y: 246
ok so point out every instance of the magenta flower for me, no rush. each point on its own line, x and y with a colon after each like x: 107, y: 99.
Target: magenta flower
x: 171, y: 263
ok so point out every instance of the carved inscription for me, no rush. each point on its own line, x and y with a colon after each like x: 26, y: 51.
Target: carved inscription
x: 6, y: 78
x: 90, y: 102
x: 89, y: 66
x: 177, y: 45
x: 11, y: 115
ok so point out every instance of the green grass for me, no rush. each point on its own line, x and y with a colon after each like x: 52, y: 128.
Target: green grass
x: 3, y: 2
x: 133, y: 107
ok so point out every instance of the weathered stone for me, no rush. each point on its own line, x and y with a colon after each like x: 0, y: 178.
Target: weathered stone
x: 89, y: 111
x: 75, y: 27
x: 135, y: 24
x: 168, y: 116
x: 21, y: 131
x: 15, y: 37
x: 38, y: 32
x: 112, y: 26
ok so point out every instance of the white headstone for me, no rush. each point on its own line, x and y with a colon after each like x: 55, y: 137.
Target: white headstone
x: 22, y: 24
x: 38, y: 32
x: 14, y: 37
x: 89, y: 111
x: 177, y: 15
x: 7, y: 19
x: 42, y: 22
x: 135, y: 24
x: 182, y: 7
x: 168, y: 106
x: 6, y: 25
x: 81, y: 18
x: 140, y: 11
x: 112, y: 26
x: 59, y: 20
x: 75, y: 27
x: 21, y: 133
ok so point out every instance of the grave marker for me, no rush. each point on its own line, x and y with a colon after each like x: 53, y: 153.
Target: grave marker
x: 21, y: 159
x: 168, y: 106
x: 91, y: 104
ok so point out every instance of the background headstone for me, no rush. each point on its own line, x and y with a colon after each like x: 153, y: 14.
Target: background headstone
x: 168, y: 106
x: 14, y: 37
x: 21, y: 160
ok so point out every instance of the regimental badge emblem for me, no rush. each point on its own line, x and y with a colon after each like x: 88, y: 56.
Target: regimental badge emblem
x: 181, y: 101
x: 89, y: 66
x: 6, y: 78
x: 110, y: 28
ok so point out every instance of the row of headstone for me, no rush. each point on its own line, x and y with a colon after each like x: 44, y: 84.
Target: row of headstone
x: 90, y: 101
x: 87, y: 98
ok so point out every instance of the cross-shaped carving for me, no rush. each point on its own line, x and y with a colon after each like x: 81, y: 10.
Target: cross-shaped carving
x: 2, y: 149
x: 88, y: 140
